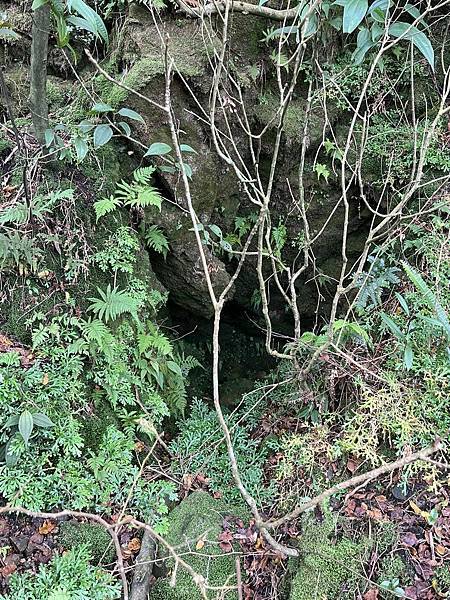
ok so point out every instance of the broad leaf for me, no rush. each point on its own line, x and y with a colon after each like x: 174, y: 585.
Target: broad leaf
x: 81, y: 23
x: 408, y: 357
x: 26, y: 425
x: 126, y: 128
x: 101, y: 107
x: 102, y: 135
x: 38, y: 3
x: 187, y: 148
x: 354, y: 13
x: 12, y: 421
x: 418, y: 38
x: 131, y: 114
x: 158, y: 149
x: 174, y: 367
x: 81, y: 148
x: 364, y: 44
x: 41, y: 420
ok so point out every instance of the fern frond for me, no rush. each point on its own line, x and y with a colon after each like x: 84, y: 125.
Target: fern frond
x: 428, y: 296
x: 156, y: 240
x: 113, y: 303
x: 17, y: 214
x: 155, y: 340
x: 94, y: 330
x: 143, y: 175
x: 106, y: 205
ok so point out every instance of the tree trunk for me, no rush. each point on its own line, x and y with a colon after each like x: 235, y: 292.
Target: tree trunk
x: 38, y: 91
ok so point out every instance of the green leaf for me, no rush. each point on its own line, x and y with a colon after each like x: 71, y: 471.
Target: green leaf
x: 402, y: 303
x: 85, y: 11
x: 288, y: 30
x: 408, y: 357
x: 130, y: 114
x: 354, y: 13
x: 126, y: 128
x: 378, y: 10
x: 81, y: 148
x: 392, y: 325
x: 38, y: 3
x: 41, y: 420
x: 7, y: 33
x: 11, y: 459
x: 188, y: 170
x: 26, y: 425
x: 12, y: 421
x: 174, y: 367
x: 418, y: 38
x: 49, y: 135
x: 100, y: 107
x: 81, y: 23
x: 102, y: 135
x: 85, y: 126
x: 187, y: 148
x: 158, y: 149
x: 363, y: 44
x: 216, y: 230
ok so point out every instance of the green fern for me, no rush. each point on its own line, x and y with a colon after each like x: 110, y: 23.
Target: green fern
x: 155, y: 340
x: 95, y: 330
x: 113, y: 303
x: 428, y: 296
x: 17, y: 214
x: 143, y: 175
x: 156, y: 240
x: 105, y: 206
x: 138, y: 195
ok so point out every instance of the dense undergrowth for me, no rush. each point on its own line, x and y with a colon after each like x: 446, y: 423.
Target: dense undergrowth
x: 103, y: 408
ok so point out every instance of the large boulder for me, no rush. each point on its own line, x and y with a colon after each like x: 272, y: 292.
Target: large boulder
x: 194, y: 527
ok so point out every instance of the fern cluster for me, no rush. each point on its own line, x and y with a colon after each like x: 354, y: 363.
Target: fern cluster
x: 140, y: 193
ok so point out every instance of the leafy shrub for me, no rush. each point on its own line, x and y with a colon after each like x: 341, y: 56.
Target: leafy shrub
x: 66, y: 577
x: 199, y: 448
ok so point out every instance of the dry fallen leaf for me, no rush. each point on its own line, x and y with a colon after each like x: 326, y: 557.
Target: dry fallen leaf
x: 371, y: 594
x: 45, y: 379
x: 47, y: 527
x: 134, y: 545
x: 224, y: 541
x: 441, y: 550
x: 199, y: 545
x: 7, y: 570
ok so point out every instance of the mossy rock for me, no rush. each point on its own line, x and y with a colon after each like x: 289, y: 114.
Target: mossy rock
x: 266, y: 112
x: 95, y: 537
x: 198, y: 517
x: 328, y: 567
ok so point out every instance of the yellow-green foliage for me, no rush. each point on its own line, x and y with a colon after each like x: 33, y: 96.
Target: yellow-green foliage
x: 328, y: 568
x: 198, y: 517
x: 388, y: 415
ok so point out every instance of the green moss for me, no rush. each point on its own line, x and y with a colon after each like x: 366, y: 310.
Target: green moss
x: 189, y: 57
x: 95, y: 537
x: 328, y: 568
x: 266, y: 112
x: 198, y: 517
